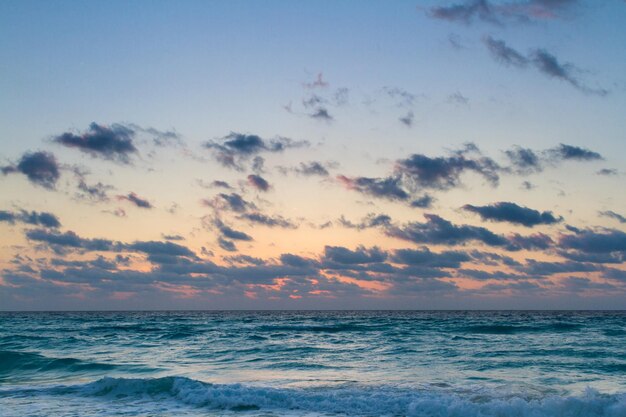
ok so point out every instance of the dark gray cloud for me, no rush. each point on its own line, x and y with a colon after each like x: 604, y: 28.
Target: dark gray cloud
x: 389, y: 188
x: 270, y: 221
x: 517, y: 11
x: 258, y: 182
x: 94, y: 192
x: 234, y: 149
x: 35, y: 218
x: 230, y: 233
x: 59, y: 240
x: 524, y: 160
x: 136, y: 200
x: 424, y: 257
x: 368, y: 222
x: 590, y: 241
x: 443, y: 173
x: 312, y: 168
x: 425, y: 201
x: 596, y: 258
x: 540, y: 268
x: 575, y: 153
x: 41, y: 168
x: 537, y: 241
x: 226, y: 244
x: 321, y: 113
x: 114, y: 142
x: 231, y: 202
x: 173, y: 237
x: 613, y: 215
x: 154, y: 247
x: 541, y: 60
x: 505, y: 54
x: 510, y: 212
x: 361, y: 255
x: 437, y: 230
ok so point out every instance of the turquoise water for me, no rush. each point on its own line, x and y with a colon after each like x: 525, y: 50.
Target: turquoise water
x: 313, y: 363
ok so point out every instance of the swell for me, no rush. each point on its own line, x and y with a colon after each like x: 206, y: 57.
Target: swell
x: 363, y: 401
x: 14, y: 362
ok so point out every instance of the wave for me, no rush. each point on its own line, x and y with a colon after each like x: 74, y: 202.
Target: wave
x: 513, y: 329
x: 12, y: 362
x: 362, y: 401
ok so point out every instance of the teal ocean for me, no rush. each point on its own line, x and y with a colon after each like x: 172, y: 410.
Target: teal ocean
x: 466, y: 364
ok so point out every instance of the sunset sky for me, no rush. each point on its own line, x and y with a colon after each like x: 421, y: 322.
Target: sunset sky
x: 313, y: 155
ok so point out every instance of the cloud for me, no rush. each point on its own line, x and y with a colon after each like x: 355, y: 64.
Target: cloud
x: 549, y: 65
x: 227, y: 245
x: 613, y: 215
x: 232, y: 202
x: 94, y: 192
x: 570, y: 152
x: 361, y: 255
x: 113, y: 143
x: 424, y: 257
x: 136, y: 200
x: 510, y: 212
x: 43, y: 218
x: 524, y: 160
x: 41, y: 168
x: 234, y: 149
x: 607, y: 172
x: 505, y: 54
x: 173, y: 237
x: 258, y: 182
x: 537, y: 241
x: 230, y: 233
x: 443, y: 173
x: 520, y: 11
x: 425, y: 201
x: 590, y: 241
x: 439, y: 231
x: 270, y: 221
x: 389, y: 188
x: 312, y: 168
x: 407, y: 119
x: 321, y: 113
x: 370, y: 221
x: 153, y: 247
x: 542, y: 60
x: 58, y: 240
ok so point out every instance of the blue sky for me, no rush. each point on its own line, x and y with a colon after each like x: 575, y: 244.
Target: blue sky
x: 348, y: 132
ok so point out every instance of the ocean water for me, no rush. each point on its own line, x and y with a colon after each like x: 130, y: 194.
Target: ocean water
x: 313, y: 364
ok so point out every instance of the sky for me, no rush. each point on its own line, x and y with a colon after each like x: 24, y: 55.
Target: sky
x: 458, y: 154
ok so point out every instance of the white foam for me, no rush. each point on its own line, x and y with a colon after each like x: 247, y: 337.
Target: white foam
x: 357, y: 401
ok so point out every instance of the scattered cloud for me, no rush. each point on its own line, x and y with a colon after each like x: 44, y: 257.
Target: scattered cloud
x: 517, y: 11
x: 258, y: 182
x: 136, y: 200
x: 234, y: 149
x: 113, y: 143
x: 510, y: 212
x: 41, y: 168
x: 541, y: 60
x: 613, y: 215
x: 34, y: 218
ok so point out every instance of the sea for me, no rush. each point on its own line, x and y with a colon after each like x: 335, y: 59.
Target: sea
x: 313, y: 363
